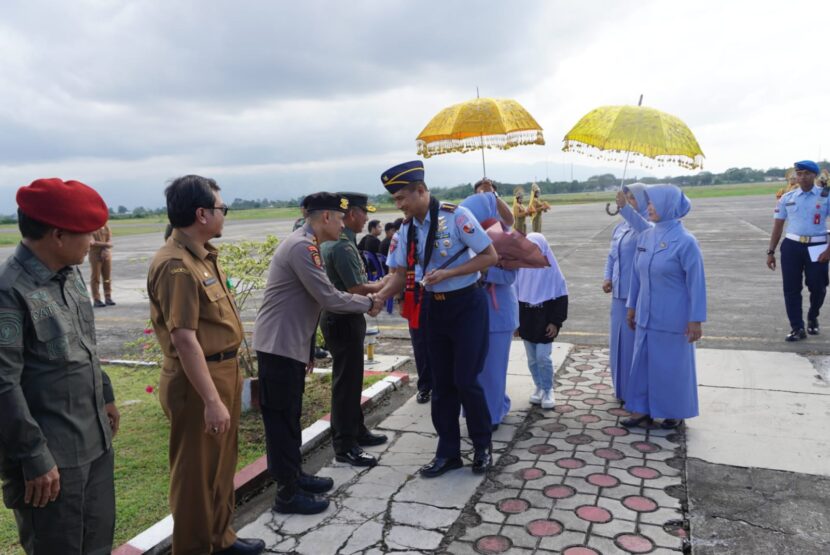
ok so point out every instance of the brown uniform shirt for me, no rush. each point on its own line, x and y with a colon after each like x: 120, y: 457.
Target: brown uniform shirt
x: 103, y: 235
x: 187, y: 289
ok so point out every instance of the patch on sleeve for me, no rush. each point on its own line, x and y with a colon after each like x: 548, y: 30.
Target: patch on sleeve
x: 11, y: 328
x: 393, y: 244
x: 315, y: 255
x: 465, y: 224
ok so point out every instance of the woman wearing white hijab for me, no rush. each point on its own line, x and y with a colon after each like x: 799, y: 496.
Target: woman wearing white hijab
x: 543, y: 307
x: 633, y: 208
x: 666, y: 305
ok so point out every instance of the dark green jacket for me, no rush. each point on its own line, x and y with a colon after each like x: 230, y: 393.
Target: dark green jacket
x: 52, y: 389
x: 344, y: 264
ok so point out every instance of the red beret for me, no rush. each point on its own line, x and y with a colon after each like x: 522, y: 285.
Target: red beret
x: 68, y: 205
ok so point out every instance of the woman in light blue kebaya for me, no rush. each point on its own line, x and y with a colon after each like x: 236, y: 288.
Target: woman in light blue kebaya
x: 632, y: 204
x: 504, y: 308
x: 667, y: 305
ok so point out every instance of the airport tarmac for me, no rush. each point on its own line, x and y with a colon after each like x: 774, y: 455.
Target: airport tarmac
x: 745, y: 301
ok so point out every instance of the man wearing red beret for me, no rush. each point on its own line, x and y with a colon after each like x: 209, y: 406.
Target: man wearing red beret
x: 57, y: 407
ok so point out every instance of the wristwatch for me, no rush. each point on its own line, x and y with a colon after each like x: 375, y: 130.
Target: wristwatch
x: 770, y: 252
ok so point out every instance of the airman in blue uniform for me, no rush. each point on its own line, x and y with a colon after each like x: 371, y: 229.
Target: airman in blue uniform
x: 805, y: 212
x: 452, y: 248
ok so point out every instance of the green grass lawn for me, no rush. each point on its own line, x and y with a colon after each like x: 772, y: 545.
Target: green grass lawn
x: 141, y: 471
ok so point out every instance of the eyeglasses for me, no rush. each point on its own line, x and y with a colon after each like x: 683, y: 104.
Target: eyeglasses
x: 224, y: 208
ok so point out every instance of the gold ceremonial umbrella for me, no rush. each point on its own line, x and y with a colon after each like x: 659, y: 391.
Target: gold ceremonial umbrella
x: 478, y: 124
x: 644, y: 135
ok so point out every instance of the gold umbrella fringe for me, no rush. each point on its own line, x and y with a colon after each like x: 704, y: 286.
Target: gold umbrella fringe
x: 503, y: 142
x: 638, y: 158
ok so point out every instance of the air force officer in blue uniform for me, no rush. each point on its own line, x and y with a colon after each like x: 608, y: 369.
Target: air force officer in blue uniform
x: 805, y: 212
x: 456, y: 322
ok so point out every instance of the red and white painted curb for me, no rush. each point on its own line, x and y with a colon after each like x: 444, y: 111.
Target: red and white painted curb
x: 255, y: 472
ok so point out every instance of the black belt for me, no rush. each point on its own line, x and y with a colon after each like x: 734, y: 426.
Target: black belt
x: 219, y: 357
x: 450, y: 294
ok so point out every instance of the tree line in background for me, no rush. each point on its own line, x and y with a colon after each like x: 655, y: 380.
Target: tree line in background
x: 594, y: 183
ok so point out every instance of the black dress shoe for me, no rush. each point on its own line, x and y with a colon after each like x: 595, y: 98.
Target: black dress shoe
x: 320, y: 352
x: 482, y: 460
x: 109, y: 302
x: 98, y: 304
x: 314, y: 484
x: 243, y: 546
x: 643, y: 421
x: 301, y: 503
x: 356, y: 457
x: 423, y: 396
x: 812, y: 327
x: 369, y: 439
x: 796, y: 335
x: 440, y: 465
x: 670, y: 423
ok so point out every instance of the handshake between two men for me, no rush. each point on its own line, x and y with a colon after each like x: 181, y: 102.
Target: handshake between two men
x: 393, y: 284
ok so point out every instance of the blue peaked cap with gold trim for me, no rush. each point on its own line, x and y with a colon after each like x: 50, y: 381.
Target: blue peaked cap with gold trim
x: 398, y: 177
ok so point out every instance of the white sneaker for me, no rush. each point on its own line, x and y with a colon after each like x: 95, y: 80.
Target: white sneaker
x: 548, y: 401
x: 536, y: 396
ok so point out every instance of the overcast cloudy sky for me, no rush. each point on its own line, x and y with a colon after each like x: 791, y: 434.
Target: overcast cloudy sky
x: 278, y: 99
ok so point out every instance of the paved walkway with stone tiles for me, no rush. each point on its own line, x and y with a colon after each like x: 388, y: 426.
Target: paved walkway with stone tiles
x: 568, y: 480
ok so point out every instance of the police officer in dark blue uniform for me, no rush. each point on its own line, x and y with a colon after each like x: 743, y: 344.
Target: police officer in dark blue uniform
x: 451, y: 247
x: 805, y: 212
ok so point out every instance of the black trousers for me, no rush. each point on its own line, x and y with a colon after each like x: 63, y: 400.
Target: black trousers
x: 281, y: 387
x: 80, y: 521
x: 419, y: 348
x: 795, y: 262
x: 457, y: 340
x: 344, y: 335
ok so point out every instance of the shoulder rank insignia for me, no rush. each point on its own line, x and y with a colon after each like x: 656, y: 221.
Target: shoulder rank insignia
x: 448, y: 206
x: 179, y: 270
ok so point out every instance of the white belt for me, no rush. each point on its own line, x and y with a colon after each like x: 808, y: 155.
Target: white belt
x: 807, y: 238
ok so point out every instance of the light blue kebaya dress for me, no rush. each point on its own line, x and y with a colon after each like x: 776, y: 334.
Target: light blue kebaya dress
x: 668, y: 289
x: 618, y: 271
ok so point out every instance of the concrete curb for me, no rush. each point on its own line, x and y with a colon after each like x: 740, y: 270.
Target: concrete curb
x: 255, y: 474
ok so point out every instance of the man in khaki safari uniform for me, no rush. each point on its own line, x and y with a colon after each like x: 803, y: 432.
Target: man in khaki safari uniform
x: 199, y: 329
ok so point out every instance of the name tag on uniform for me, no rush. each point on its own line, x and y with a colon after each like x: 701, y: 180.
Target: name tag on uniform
x: 641, y: 249
x: 209, y: 281
x: 790, y: 203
